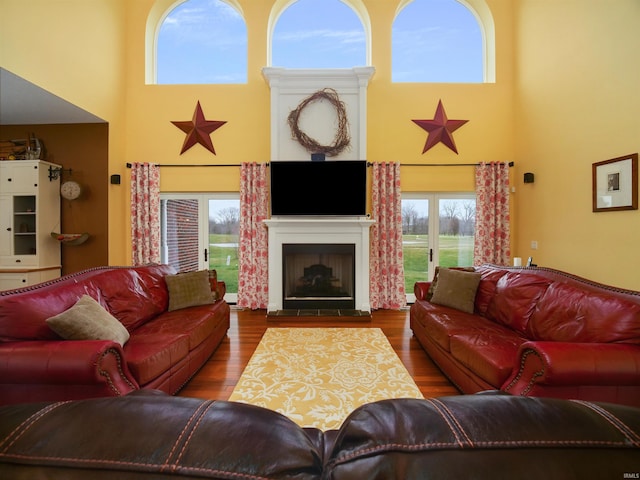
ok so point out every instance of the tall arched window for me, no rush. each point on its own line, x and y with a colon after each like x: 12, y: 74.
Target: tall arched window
x: 202, y: 41
x: 437, y: 41
x: 301, y: 41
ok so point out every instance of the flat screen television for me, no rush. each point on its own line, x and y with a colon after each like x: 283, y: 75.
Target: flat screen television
x: 331, y: 188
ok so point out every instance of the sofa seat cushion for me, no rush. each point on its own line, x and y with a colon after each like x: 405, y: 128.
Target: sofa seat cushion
x: 151, y: 355
x: 489, y: 355
x: 196, y: 323
x: 442, y: 323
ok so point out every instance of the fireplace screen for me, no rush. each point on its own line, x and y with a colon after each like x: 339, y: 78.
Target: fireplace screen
x: 318, y: 275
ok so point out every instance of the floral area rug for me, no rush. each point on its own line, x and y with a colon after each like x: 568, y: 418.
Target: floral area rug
x: 317, y: 376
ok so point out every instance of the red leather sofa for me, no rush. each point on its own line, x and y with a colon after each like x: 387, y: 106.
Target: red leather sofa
x: 149, y: 435
x: 536, y: 332
x: 164, y: 350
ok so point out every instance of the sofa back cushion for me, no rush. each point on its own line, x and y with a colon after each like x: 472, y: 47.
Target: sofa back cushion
x: 131, y: 295
x: 135, y: 295
x: 515, y: 298
x: 570, y: 313
x: 487, y: 287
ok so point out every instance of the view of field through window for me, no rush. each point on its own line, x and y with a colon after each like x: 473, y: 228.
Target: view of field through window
x: 446, y: 240
x: 224, y: 228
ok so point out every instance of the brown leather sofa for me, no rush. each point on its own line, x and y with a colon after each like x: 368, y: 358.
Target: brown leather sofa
x: 149, y: 434
x: 535, y: 332
x: 171, y: 333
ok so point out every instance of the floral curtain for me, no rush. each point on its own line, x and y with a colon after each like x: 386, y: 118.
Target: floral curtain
x: 145, y: 213
x: 492, y: 235
x: 386, y: 270
x: 253, y: 281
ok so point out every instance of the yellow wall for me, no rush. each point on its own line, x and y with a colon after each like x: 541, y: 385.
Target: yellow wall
x: 578, y: 98
x: 564, y: 97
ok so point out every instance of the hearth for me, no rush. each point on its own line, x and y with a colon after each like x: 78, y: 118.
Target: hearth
x: 318, y: 276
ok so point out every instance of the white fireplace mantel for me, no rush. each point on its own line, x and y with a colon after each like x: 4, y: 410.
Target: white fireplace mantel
x: 322, y: 230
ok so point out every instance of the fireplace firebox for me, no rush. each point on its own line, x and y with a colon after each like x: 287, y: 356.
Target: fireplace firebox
x: 318, y: 276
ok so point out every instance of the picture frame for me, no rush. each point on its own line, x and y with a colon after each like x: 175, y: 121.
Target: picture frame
x: 615, y: 184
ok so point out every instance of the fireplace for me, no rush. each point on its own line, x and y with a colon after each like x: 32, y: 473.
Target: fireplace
x: 318, y: 276
x: 334, y: 250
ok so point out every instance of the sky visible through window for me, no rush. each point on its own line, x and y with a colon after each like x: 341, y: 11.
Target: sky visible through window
x: 205, y: 41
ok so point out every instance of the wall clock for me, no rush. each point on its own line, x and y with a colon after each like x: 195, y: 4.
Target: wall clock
x: 70, y: 190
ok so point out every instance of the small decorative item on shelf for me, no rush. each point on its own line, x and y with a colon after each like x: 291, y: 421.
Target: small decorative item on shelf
x: 70, y: 238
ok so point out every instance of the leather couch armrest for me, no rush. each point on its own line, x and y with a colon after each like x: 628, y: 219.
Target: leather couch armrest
x: 221, y: 289
x: 561, y: 364
x: 66, y: 362
x: 420, y: 290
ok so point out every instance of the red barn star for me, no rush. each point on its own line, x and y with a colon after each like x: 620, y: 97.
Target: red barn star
x: 198, y: 130
x: 440, y: 129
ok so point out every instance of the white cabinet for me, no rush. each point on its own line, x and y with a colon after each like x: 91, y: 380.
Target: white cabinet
x: 29, y: 212
x: 11, y: 279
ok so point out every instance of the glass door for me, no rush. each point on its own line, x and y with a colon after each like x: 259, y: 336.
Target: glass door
x: 438, y: 229
x: 201, y: 232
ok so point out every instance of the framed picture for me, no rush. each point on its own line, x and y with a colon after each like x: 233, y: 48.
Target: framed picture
x: 615, y: 184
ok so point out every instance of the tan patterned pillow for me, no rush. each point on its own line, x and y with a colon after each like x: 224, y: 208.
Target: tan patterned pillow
x: 87, y: 320
x: 189, y: 289
x: 456, y: 289
x: 434, y: 282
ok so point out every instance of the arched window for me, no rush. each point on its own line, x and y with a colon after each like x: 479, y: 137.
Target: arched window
x: 438, y: 41
x: 202, y: 41
x: 301, y: 41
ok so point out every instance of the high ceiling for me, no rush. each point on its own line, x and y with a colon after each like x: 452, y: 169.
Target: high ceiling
x: 23, y: 103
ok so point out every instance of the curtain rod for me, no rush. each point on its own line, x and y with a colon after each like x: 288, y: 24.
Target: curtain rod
x: 193, y: 165
x: 511, y: 164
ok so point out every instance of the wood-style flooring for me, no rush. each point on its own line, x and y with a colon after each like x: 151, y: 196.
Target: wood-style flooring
x: 219, y: 376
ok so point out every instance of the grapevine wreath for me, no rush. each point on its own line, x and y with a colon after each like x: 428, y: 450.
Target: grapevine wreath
x: 342, y: 138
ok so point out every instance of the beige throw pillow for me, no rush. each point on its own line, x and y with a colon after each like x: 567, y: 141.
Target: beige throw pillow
x: 87, y: 320
x: 189, y: 289
x: 456, y: 289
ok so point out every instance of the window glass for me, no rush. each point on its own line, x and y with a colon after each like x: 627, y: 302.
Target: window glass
x: 202, y: 41
x: 201, y: 232
x: 437, y: 230
x: 318, y: 34
x: 436, y: 41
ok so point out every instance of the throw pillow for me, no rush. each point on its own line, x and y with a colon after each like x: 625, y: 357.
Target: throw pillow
x: 434, y: 282
x: 189, y: 289
x: 456, y: 289
x: 87, y: 320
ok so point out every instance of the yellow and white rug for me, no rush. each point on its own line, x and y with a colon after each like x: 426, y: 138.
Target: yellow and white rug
x: 317, y: 376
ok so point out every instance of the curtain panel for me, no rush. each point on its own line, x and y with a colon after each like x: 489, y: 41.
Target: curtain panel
x: 145, y: 213
x: 492, y: 232
x: 386, y: 268
x: 253, y: 280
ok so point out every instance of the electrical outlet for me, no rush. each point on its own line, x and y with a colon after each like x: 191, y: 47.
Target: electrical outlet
x: 534, y: 244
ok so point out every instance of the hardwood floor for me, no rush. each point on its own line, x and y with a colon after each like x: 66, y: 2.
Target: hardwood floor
x: 218, y: 377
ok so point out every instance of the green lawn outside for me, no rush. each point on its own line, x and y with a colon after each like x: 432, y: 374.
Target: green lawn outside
x: 220, y: 255
x: 454, y: 251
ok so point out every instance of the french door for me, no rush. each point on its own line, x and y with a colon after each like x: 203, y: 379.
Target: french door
x: 201, y: 232
x: 437, y: 229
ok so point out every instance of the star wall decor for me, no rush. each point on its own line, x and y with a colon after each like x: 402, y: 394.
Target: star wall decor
x: 440, y: 129
x: 198, y: 130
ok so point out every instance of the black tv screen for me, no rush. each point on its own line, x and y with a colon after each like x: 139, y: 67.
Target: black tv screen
x: 332, y: 188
